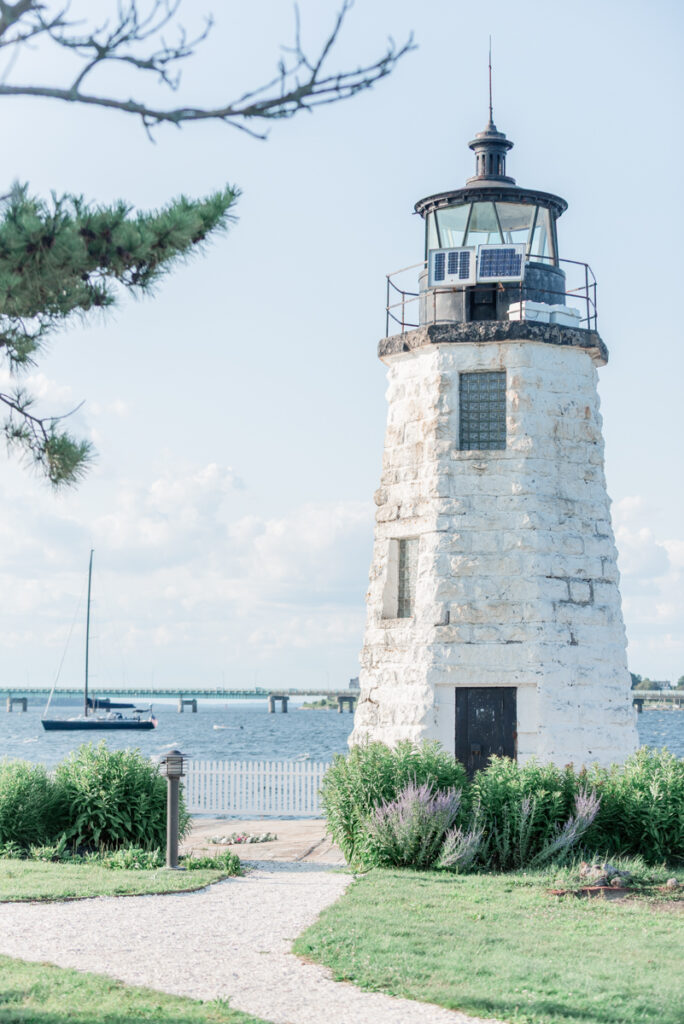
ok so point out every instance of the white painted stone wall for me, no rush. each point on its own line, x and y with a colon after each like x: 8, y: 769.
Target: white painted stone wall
x: 517, y: 578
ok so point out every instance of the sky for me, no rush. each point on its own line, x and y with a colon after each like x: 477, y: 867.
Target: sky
x: 238, y: 414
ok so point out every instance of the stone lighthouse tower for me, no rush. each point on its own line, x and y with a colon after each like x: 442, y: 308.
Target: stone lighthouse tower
x: 494, y: 619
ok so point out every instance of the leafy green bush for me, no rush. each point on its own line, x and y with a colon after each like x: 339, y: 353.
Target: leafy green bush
x: 133, y: 858
x: 12, y: 851
x: 519, y: 809
x: 112, y: 799
x: 642, y: 807
x: 372, y: 773
x: 51, y: 851
x: 226, y: 861
x: 512, y: 815
x: 28, y: 804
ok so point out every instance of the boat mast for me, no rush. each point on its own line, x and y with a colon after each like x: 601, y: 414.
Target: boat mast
x: 85, y: 688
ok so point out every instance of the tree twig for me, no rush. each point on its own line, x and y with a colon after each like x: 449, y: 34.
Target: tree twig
x: 299, y: 84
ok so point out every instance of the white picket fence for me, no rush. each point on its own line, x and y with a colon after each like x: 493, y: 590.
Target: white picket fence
x: 259, y: 788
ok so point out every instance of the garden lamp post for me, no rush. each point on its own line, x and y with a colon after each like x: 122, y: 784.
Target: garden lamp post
x: 172, y: 765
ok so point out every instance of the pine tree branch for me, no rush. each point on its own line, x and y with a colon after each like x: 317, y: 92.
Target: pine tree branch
x: 64, y: 260
x: 300, y: 83
x: 61, y: 458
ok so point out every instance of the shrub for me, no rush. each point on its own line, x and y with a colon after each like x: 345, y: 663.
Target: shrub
x: 568, y: 835
x: 642, y: 807
x: 28, y: 805
x: 511, y: 816
x: 410, y: 831
x: 519, y: 809
x: 227, y: 862
x: 372, y: 773
x: 51, y: 852
x: 112, y: 799
x: 12, y: 850
x: 133, y: 858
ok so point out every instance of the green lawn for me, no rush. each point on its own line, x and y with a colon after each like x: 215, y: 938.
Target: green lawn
x: 39, y: 994
x: 499, y: 945
x: 38, y: 880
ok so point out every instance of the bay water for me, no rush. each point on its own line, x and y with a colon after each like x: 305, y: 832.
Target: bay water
x: 242, y: 730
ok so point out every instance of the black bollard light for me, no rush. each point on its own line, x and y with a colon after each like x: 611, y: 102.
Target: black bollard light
x: 172, y: 766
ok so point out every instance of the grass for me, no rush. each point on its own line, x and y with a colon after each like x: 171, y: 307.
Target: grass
x: 39, y: 880
x: 41, y: 994
x: 500, y: 945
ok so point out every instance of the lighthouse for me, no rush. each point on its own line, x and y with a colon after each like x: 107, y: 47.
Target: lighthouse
x: 494, y: 620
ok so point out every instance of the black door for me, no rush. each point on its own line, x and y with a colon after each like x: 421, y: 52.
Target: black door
x: 485, y: 724
x: 483, y: 302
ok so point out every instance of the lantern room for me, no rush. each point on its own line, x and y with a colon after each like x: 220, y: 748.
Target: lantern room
x: 491, y: 253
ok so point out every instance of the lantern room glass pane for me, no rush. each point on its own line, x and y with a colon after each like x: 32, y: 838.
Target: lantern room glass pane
x: 432, y: 240
x: 516, y: 221
x: 452, y: 223
x: 540, y: 247
x: 483, y: 228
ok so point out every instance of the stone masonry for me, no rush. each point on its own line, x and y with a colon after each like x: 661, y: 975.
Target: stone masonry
x: 517, y: 582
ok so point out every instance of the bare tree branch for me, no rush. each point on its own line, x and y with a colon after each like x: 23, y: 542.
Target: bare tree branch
x: 44, y: 284
x: 300, y: 82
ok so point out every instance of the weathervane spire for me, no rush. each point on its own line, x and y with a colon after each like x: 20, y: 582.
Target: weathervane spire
x: 491, y: 112
x: 490, y: 146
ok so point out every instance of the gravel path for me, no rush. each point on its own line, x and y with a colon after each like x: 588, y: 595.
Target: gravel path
x: 231, y: 941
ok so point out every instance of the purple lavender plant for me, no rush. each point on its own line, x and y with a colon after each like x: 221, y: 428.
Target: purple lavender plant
x: 409, y: 831
x: 459, y: 849
x: 586, y: 808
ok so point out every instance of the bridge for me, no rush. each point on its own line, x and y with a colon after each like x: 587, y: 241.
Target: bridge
x: 148, y: 693
x: 186, y: 698
x: 673, y: 697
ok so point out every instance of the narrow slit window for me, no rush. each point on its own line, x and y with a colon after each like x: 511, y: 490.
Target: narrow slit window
x: 482, y: 411
x: 406, y: 590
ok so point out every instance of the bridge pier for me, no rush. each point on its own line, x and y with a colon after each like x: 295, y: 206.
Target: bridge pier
x: 187, y: 702
x: 639, y: 705
x: 346, y: 698
x: 272, y: 698
x: 20, y: 702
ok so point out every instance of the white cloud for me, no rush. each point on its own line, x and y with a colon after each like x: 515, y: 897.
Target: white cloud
x: 117, y: 407
x: 641, y: 555
x: 186, y: 577
x: 169, y: 520
x: 43, y: 388
x: 652, y: 586
x: 675, y: 550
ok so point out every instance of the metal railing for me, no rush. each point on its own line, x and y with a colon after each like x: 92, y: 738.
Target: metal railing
x: 400, y: 301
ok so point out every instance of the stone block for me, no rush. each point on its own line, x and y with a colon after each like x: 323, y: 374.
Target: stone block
x: 581, y: 593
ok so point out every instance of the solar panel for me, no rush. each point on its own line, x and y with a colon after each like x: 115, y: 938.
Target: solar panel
x: 464, y: 265
x: 501, y: 262
x: 504, y: 263
x: 452, y: 266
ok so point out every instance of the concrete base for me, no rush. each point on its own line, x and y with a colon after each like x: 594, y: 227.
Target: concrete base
x: 298, y: 840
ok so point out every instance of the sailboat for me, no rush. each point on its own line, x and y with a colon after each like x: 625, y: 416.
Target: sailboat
x: 99, y: 713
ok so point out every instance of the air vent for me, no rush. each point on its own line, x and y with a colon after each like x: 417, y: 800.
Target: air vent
x: 501, y: 262
x: 450, y: 267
